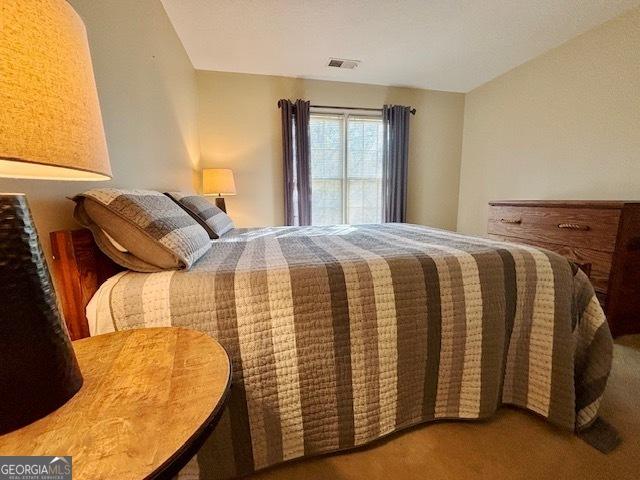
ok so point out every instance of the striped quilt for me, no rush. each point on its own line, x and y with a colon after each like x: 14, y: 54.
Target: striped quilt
x: 341, y: 335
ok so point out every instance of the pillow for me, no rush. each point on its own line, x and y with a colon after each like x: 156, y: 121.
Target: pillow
x: 156, y: 233
x: 212, y: 218
x: 118, y: 247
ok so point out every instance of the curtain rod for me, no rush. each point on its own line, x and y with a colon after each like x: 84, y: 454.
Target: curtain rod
x: 413, y: 110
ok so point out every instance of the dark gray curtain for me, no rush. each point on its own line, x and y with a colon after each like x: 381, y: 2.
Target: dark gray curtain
x: 295, y: 154
x: 395, y: 120
x: 303, y: 161
x: 286, y: 115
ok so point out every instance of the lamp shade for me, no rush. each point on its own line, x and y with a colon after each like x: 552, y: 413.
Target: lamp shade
x: 218, y: 181
x: 50, y: 121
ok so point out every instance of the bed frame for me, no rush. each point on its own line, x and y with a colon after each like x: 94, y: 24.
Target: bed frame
x: 79, y: 268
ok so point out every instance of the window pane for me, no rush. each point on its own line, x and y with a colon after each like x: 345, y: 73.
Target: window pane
x: 326, y: 201
x: 365, y: 201
x: 346, y: 190
x: 327, y: 169
x: 364, y: 170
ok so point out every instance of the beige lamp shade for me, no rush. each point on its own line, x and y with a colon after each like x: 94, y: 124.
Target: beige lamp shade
x: 218, y: 181
x: 50, y: 121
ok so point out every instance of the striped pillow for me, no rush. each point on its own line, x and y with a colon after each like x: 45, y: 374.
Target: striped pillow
x: 147, y: 224
x: 212, y: 218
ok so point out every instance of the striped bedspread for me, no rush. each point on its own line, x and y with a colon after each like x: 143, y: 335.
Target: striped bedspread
x: 341, y: 335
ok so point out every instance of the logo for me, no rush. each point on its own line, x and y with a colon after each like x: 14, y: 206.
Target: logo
x: 35, y: 468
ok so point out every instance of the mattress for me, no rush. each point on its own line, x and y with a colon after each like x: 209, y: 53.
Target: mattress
x: 341, y: 335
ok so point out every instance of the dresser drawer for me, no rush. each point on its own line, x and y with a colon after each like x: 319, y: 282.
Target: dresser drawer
x: 599, y: 262
x: 591, y: 228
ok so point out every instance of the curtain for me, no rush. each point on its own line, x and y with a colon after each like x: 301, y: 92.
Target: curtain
x: 296, y: 160
x: 395, y: 160
x: 303, y: 161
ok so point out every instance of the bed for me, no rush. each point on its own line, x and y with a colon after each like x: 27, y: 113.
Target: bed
x: 341, y: 335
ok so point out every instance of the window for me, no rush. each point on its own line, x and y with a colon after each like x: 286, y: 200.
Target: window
x: 346, y: 168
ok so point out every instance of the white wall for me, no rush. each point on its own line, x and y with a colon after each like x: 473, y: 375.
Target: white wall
x: 147, y: 91
x: 565, y: 125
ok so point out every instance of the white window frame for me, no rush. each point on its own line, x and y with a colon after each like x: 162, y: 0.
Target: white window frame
x: 345, y: 114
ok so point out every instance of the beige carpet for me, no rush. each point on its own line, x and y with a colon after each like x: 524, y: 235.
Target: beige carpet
x: 511, y: 445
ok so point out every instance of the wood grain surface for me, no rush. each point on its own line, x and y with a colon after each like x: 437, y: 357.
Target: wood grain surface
x: 623, y: 305
x: 600, y: 204
x: 595, y: 229
x: 603, y: 236
x: 147, y: 395
x: 79, y: 268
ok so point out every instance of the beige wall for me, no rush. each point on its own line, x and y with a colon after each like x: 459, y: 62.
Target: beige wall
x: 240, y: 129
x: 565, y: 125
x: 147, y: 91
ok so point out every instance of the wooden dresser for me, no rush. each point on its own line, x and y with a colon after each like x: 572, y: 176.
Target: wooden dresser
x: 603, y: 237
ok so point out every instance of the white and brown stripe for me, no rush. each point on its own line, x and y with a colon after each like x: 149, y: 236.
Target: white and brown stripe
x: 341, y: 335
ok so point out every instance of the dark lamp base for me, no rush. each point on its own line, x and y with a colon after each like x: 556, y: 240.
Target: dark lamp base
x: 38, y: 367
x: 220, y: 204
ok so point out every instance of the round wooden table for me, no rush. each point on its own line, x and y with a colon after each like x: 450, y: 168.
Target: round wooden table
x: 149, y: 400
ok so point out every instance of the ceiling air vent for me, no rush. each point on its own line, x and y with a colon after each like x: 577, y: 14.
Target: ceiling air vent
x: 342, y: 63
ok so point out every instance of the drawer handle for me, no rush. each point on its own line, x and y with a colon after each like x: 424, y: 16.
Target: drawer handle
x: 574, y: 226
x: 513, y: 221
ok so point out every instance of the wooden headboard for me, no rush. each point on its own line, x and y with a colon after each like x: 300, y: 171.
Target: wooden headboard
x: 79, y: 268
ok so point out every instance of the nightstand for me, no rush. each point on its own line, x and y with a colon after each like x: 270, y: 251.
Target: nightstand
x: 150, y: 399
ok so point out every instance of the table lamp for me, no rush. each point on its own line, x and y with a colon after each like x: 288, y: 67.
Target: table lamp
x: 218, y: 181
x: 50, y: 128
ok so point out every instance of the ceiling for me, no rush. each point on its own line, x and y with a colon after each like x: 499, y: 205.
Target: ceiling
x: 453, y: 45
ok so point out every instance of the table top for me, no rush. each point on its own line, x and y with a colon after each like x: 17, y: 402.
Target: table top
x: 147, y: 394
